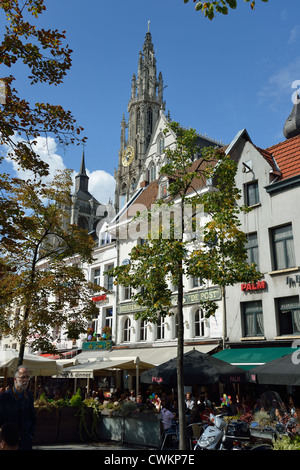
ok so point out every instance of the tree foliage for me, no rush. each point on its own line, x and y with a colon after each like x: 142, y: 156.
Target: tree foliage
x: 43, y: 286
x: 210, y: 9
x: 43, y: 53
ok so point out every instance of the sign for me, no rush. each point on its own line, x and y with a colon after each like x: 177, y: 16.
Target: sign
x: 213, y: 293
x: 99, y: 298
x: 260, y: 285
x: 292, y: 282
x: 94, y: 345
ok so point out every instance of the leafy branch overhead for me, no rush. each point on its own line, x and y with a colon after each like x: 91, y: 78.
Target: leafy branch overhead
x: 46, y: 58
x: 209, y: 9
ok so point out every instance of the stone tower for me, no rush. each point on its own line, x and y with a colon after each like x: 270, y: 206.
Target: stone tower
x: 144, y: 107
x: 85, y: 208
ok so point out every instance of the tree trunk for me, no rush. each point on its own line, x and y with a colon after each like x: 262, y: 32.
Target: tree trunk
x: 180, y: 376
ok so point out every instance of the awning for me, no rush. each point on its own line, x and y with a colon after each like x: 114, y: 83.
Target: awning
x: 152, y: 355
x: 247, y: 358
x: 89, y: 370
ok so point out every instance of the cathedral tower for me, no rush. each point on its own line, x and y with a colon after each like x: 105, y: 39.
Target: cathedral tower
x: 144, y: 107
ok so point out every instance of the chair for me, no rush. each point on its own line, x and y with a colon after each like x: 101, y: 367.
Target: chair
x: 170, y: 433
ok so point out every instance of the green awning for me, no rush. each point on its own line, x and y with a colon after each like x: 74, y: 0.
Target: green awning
x: 251, y: 357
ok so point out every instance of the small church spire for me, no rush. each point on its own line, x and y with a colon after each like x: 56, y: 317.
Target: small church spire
x: 292, y: 124
x: 82, y: 180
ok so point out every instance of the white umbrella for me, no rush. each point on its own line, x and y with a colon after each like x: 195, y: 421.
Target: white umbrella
x: 36, y: 365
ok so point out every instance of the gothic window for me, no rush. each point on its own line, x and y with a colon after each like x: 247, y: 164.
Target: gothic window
x: 149, y: 120
x: 152, y: 173
x: 138, y: 120
x: 160, y: 144
x: 83, y: 223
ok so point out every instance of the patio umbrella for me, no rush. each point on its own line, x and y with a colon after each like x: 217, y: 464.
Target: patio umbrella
x: 37, y: 365
x: 198, y: 368
x: 282, y: 371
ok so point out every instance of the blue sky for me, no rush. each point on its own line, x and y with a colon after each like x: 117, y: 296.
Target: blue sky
x: 221, y: 76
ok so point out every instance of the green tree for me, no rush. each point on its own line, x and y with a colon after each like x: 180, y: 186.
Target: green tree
x: 210, y: 9
x: 43, y: 53
x: 43, y: 285
x: 212, y: 248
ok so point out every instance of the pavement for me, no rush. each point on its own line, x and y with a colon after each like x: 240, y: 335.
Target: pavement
x: 103, y: 446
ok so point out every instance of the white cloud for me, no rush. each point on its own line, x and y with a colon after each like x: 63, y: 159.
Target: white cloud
x: 101, y: 184
x: 280, y: 84
x: 294, y: 34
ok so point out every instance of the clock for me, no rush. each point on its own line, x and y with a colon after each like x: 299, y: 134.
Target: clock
x: 128, y: 155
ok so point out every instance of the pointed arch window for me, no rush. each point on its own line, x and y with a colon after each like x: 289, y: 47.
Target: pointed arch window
x: 149, y: 120
x: 152, y: 173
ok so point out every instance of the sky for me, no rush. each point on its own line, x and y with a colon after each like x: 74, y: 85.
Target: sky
x: 234, y: 72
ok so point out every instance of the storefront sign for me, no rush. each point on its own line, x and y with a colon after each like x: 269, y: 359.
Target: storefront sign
x: 100, y: 298
x: 94, y: 345
x: 260, y: 285
x: 292, y: 282
x: 213, y: 293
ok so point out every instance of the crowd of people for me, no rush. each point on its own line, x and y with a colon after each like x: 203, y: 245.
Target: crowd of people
x: 17, y: 415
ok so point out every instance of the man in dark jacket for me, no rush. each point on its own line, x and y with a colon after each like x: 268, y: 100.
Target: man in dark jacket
x: 16, y: 406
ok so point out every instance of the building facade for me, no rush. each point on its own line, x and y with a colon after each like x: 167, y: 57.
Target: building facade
x: 268, y: 313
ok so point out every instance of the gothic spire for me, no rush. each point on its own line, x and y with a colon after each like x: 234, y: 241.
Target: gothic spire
x: 82, y: 180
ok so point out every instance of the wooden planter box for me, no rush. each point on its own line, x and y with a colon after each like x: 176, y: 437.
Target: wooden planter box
x: 47, y: 422
x: 63, y: 426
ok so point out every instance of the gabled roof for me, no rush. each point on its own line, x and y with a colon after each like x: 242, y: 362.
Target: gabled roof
x: 287, y: 156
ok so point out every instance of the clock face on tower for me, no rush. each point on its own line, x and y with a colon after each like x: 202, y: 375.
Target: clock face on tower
x: 128, y: 155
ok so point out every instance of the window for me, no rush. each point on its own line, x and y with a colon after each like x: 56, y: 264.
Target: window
x: 160, y: 145
x: 109, y: 317
x: 251, y: 193
x: 253, y: 318
x: 252, y: 249
x: 127, y: 293
x: 176, y: 326
x: 143, y: 330
x: 160, y: 331
x: 96, y: 276
x: 196, y: 282
x: 127, y: 329
x: 152, y: 173
x: 109, y: 280
x: 288, y: 309
x: 199, y: 322
x: 283, y: 247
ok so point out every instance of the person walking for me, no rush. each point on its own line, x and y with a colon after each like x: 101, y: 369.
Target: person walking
x: 16, y: 406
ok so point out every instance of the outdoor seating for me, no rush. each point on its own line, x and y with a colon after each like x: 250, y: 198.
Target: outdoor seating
x: 171, y: 434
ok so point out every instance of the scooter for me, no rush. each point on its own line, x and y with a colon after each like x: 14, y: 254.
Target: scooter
x: 211, y: 438
x: 222, y: 436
